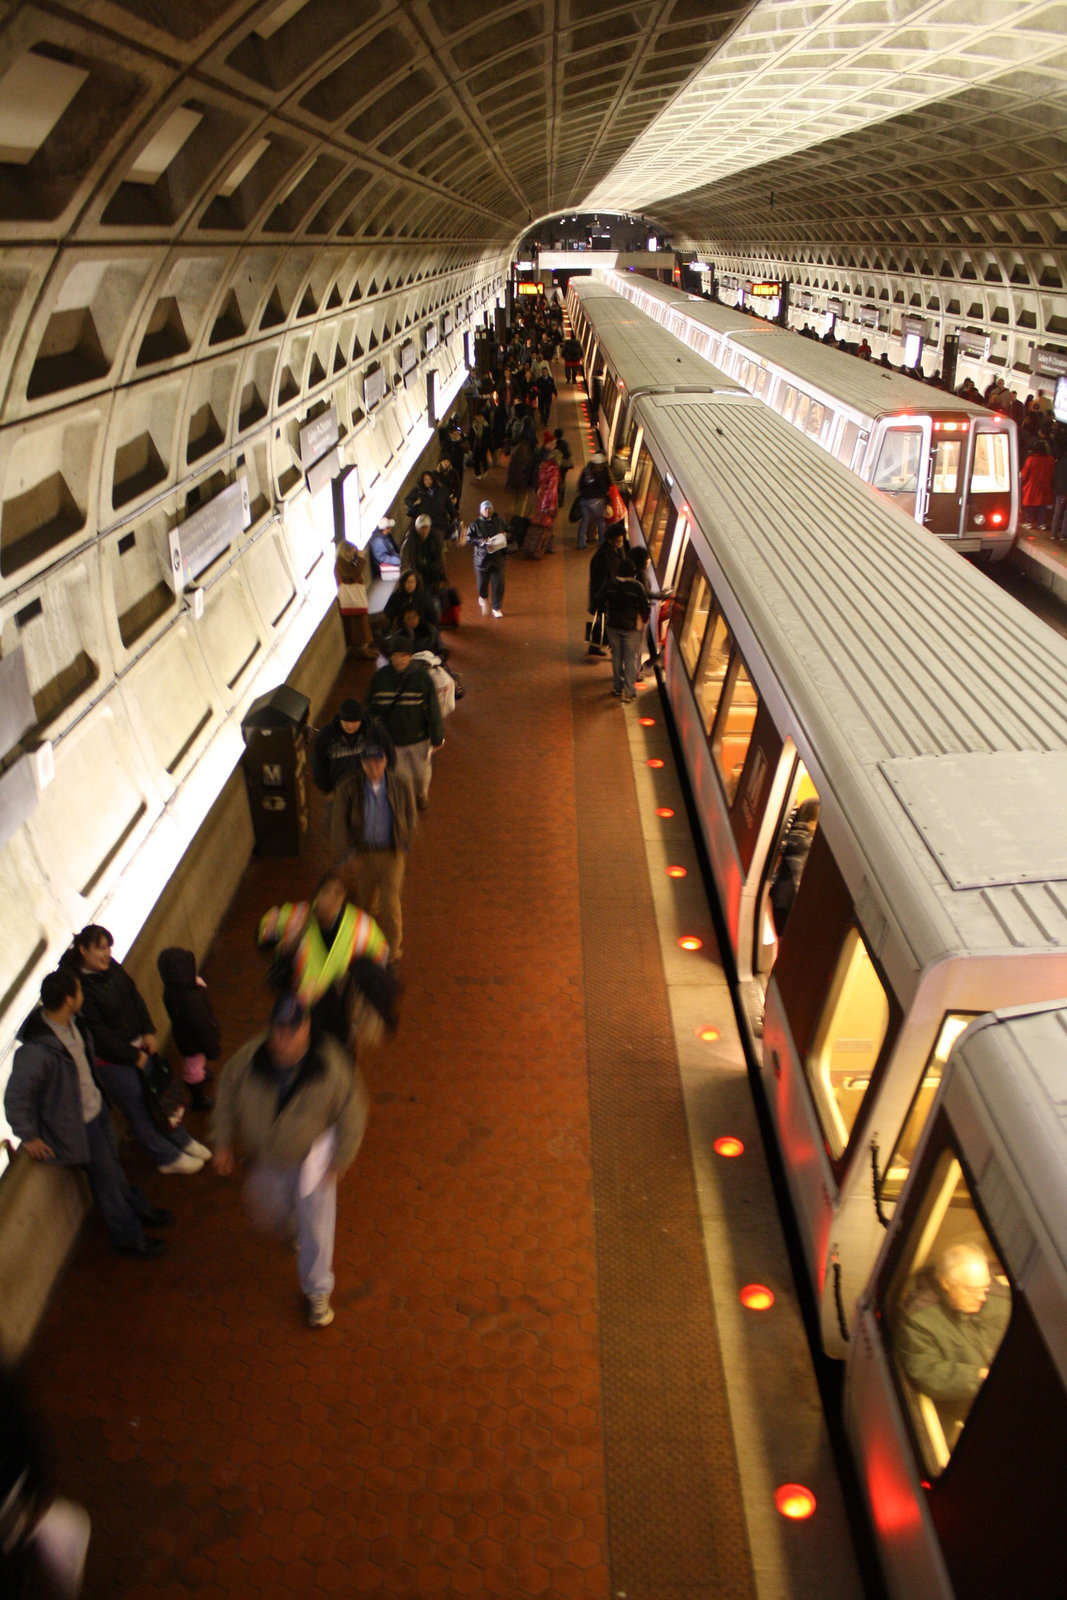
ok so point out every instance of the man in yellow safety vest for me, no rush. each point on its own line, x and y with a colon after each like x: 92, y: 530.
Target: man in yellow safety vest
x: 318, y: 942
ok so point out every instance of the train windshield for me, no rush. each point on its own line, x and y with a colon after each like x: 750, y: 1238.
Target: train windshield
x: 896, y: 471
x: 899, y: 1166
x: 946, y: 1312
x: 991, y: 472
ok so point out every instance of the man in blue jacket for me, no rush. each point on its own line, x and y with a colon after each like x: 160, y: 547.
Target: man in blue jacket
x: 57, y: 1112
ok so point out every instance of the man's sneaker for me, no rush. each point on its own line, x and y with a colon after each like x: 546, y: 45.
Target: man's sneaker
x: 497, y: 613
x: 483, y: 606
x: 183, y: 1163
x: 200, y: 1151
x: 320, y: 1312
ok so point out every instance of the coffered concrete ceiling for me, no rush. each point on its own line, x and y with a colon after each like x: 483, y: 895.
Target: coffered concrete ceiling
x: 467, y: 119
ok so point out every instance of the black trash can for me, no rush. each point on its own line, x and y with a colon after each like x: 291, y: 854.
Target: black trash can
x: 275, y: 768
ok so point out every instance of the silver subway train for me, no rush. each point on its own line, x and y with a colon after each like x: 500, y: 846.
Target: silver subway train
x: 951, y: 465
x: 876, y: 743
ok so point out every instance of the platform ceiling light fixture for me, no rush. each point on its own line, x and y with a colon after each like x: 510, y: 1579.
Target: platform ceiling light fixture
x: 239, y: 173
x: 34, y: 93
x: 163, y: 146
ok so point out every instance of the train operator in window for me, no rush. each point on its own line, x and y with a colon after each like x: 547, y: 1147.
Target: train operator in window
x: 951, y: 1329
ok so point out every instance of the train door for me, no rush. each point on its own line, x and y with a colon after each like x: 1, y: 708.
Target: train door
x: 900, y: 460
x: 830, y: 1026
x: 945, y: 477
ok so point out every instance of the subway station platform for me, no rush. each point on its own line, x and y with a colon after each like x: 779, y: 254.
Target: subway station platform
x: 540, y: 1380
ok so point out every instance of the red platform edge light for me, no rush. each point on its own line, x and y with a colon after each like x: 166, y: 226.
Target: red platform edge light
x: 689, y: 941
x: 794, y: 1501
x: 707, y: 1033
x: 756, y: 1297
x: 654, y: 761
x: 677, y: 872
x: 728, y: 1145
x: 664, y: 811
x: 647, y: 722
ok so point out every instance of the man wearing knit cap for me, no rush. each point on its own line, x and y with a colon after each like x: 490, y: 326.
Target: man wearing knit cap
x: 486, y: 534
x: 338, y: 745
x: 403, y: 697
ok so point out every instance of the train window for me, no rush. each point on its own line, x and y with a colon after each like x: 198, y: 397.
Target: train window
x: 816, y: 420
x: 695, y: 622
x: 800, y: 415
x: 896, y: 471
x: 786, y: 862
x: 763, y: 378
x: 626, y: 449
x: 609, y: 399
x: 848, y: 1042
x: 896, y: 1173
x: 665, y: 518
x: 847, y: 443
x: 733, y: 725
x: 644, y: 473
x: 708, y: 686
x: 946, y: 468
x: 789, y: 403
x: 991, y: 473
x: 947, y: 1309
x: 648, y: 515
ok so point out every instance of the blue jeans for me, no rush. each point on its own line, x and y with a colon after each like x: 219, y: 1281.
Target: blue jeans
x: 118, y: 1202
x: 624, y: 643
x: 274, y: 1199
x: 591, y: 511
x: 124, y: 1087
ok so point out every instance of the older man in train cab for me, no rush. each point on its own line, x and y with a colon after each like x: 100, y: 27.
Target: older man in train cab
x: 951, y: 1330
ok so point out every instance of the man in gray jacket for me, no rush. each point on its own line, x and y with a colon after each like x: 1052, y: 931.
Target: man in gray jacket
x: 299, y: 1111
x: 54, y: 1105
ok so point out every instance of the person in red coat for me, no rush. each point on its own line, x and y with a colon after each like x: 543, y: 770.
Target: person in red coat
x: 1036, y: 482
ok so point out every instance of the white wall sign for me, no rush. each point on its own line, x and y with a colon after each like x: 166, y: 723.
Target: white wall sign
x: 318, y: 436
x: 196, y: 542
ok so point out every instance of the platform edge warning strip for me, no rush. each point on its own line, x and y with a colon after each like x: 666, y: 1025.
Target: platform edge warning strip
x: 675, y: 1518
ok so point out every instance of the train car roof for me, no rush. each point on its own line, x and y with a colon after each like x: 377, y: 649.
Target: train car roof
x: 642, y: 355
x: 1013, y: 1065
x: 930, y: 696
x: 724, y: 319
x: 864, y: 385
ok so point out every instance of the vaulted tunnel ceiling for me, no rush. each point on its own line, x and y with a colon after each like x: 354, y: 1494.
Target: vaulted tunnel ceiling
x: 448, y: 119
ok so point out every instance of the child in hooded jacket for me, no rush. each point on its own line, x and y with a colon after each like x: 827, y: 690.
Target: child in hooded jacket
x: 194, y: 1026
